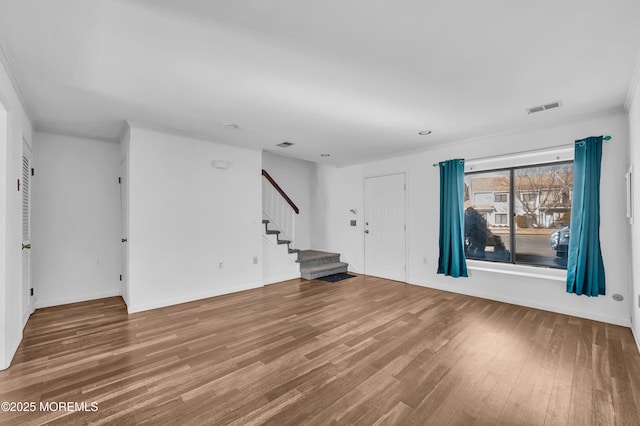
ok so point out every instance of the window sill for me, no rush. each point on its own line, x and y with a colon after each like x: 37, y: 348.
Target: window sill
x: 521, y: 270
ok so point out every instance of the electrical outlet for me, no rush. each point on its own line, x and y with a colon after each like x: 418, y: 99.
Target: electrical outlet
x: 255, y: 260
x: 220, y: 265
x: 425, y: 260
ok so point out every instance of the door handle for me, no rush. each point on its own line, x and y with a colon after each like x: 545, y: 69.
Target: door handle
x: 26, y: 246
x: 366, y: 231
x: 124, y: 240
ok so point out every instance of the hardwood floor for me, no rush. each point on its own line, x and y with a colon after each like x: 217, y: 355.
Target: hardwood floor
x: 361, y: 351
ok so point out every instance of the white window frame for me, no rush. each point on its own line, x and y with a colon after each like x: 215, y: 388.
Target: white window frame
x: 522, y: 159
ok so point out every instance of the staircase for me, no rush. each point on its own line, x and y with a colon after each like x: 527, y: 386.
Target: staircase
x: 313, y: 263
x: 317, y: 264
x: 277, y: 234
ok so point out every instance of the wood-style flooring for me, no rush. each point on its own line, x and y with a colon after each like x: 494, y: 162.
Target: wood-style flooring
x: 361, y: 351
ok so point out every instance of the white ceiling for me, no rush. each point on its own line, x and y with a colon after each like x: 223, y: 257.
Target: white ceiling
x: 357, y: 79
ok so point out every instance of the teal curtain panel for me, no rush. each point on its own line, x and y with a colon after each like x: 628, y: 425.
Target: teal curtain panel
x: 452, y: 261
x: 585, y: 268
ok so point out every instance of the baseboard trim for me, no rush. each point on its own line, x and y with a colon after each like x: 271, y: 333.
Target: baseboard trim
x: 282, y: 278
x: 636, y: 338
x: 78, y: 298
x: 133, y: 308
x: 12, y: 352
x: 529, y: 304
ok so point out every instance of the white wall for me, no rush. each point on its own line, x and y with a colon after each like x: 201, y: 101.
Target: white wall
x: 295, y: 177
x: 185, y: 217
x: 344, y: 188
x: 634, y: 160
x: 17, y: 128
x: 76, y: 219
x: 337, y: 192
x: 277, y: 264
x: 3, y: 232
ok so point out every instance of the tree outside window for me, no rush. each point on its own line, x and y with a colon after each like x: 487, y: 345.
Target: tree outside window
x: 533, y: 228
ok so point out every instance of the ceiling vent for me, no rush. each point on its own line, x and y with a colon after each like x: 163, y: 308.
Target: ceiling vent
x: 544, y: 107
x: 285, y: 144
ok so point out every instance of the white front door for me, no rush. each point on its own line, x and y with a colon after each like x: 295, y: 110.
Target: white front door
x: 25, y: 188
x: 385, y: 230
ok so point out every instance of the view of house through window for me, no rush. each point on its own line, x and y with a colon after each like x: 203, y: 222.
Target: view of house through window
x: 519, y: 215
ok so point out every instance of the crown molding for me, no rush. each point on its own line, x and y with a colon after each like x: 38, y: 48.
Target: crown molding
x: 167, y: 130
x: 126, y: 128
x: 77, y: 135
x: 183, y: 134
x: 633, y: 85
x: 7, y: 62
x: 513, y: 131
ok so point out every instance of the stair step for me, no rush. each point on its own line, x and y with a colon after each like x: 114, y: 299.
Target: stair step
x: 311, y: 255
x: 271, y: 232
x: 294, y: 251
x: 323, y: 270
x: 312, y: 258
x: 265, y: 221
x: 284, y: 242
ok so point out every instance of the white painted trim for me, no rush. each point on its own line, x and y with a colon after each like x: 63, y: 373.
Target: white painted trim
x: 518, y: 159
x: 452, y: 142
x: 39, y: 128
x: 529, y: 304
x: 178, y: 300
x: 521, y: 270
x: 12, y: 352
x: 75, y: 299
x: 635, y: 337
x: 282, y: 278
x: 182, y: 133
x: 633, y: 85
x: 7, y: 61
x: 25, y: 318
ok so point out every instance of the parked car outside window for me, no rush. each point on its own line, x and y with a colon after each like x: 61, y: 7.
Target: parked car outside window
x: 560, y: 241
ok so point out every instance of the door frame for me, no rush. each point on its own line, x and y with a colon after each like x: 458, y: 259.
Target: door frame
x: 31, y: 299
x: 123, y: 179
x: 406, y: 225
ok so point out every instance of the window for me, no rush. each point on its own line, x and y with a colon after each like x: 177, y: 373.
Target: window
x: 501, y: 198
x: 501, y: 219
x: 532, y: 229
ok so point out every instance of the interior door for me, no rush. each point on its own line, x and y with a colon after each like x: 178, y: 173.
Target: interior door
x: 25, y: 188
x: 124, y: 230
x: 385, y: 227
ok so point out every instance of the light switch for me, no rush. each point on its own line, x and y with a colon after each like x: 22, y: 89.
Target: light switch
x: 353, y: 223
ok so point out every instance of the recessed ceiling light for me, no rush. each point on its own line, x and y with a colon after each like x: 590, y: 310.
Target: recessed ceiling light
x: 325, y: 155
x: 424, y: 132
x: 230, y: 125
x: 285, y: 144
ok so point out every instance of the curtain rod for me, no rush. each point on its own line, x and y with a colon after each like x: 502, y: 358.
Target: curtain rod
x: 604, y: 138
